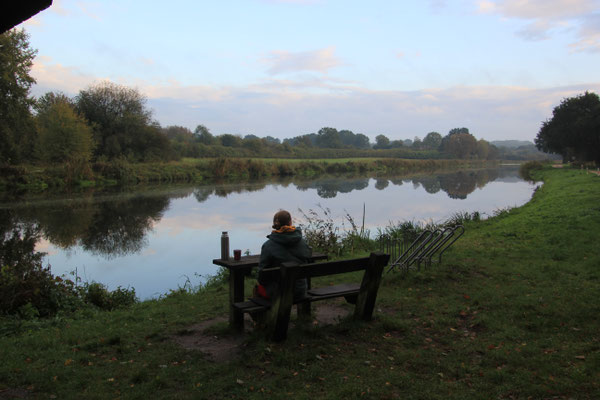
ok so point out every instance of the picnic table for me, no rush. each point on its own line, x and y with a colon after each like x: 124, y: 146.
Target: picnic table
x: 238, y: 270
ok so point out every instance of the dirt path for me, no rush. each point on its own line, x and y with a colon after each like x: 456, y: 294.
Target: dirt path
x: 224, y: 348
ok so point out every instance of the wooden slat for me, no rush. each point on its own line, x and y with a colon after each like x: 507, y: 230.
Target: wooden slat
x: 327, y: 268
x: 248, y: 306
x: 336, y: 289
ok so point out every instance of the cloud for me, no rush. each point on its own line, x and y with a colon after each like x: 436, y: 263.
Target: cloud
x: 545, y: 17
x: 56, y: 77
x: 491, y: 112
x: 590, y: 37
x: 282, y: 61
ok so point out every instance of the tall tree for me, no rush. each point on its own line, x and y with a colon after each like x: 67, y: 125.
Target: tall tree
x: 381, y: 142
x: 455, y: 131
x: 329, y: 138
x: 63, y: 136
x: 204, y: 136
x: 574, y: 129
x: 16, y: 126
x: 460, y: 145
x: 122, y: 124
x: 432, y: 141
x: 49, y: 99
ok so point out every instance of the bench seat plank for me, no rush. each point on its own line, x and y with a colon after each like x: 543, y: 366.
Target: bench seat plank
x: 336, y: 290
x: 249, y: 306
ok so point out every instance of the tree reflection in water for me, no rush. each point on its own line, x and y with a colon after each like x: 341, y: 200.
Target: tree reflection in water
x: 108, y: 228
x: 118, y: 225
x: 119, y: 228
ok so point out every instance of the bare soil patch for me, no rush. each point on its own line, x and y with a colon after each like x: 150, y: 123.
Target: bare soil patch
x: 224, y: 348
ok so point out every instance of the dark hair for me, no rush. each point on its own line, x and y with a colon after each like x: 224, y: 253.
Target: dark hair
x: 281, y: 218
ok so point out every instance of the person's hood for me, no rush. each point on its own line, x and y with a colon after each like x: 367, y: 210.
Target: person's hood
x: 286, y: 238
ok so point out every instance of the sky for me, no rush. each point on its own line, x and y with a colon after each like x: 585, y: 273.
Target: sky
x: 285, y: 68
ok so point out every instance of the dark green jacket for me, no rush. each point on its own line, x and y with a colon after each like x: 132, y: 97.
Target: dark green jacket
x: 282, y: 247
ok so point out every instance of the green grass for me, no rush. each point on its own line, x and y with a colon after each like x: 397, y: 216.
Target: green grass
x: 512, y: 313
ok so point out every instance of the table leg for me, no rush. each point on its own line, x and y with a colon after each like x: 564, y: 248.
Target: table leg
x: 303, y: 309
x: 236, y: 294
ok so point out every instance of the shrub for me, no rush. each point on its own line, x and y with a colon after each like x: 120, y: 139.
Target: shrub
x: 527, y: 169
x: 26, y: 287
x: 320, y: 232
x: 98, y: 295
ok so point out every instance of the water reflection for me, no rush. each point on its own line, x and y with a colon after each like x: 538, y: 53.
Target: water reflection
x: 117, y: 225
x: 109, y: 227
x: 457, y: 185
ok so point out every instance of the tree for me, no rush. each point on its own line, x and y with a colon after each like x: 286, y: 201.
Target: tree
x: 574, y: 129
x: 229, y: 140
x: 122, y: 125
x: 361, y: 141
x: 417, y: 143
x: 253, y: 143
x: 460, y: 145
x: 16, y: 125
x: 329, y: 138
x: 381, y: 142
x: 204, y: 136
x: 63, y: 135
x: 483, y: 150
x: 179, y: 134
x: 49, y: 99
x: 455, y: 131
x: 432, y: 141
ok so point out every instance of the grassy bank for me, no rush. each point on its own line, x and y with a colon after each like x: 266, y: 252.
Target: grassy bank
x: 121, y: 172
x: 510, y: 314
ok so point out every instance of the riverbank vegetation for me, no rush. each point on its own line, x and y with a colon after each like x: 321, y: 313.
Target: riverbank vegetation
x: 509, y: 314
x: 122, y: 172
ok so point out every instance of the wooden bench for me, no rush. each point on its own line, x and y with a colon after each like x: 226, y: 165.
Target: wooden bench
x: 278, y: 310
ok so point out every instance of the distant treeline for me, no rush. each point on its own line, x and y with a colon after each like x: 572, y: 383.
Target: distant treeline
x: 329, y: 143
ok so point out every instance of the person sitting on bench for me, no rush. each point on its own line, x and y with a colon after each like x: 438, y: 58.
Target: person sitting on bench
x: 285, y: 243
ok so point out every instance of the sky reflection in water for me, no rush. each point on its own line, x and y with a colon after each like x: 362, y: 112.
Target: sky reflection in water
x: 179, y: 241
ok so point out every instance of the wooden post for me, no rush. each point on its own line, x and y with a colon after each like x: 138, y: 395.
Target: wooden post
x: 282, y: 305
x: 304, y: 309
x: 236, y: 294
x: 365, y: 303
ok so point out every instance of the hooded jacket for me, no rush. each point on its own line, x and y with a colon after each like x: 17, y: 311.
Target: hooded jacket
x: 281, y: 246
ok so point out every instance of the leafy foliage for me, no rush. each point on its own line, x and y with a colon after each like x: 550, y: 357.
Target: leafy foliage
x: 26, y: 287
x: 97, y: 294
x: 122, y: 124
x: 574, y: 129
x: 527, y: 169
x: 64, y: 136
x: 323, y: 235
x: 16, y: 133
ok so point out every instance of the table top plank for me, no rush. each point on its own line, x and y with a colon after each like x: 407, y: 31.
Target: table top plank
x: 252, y: 260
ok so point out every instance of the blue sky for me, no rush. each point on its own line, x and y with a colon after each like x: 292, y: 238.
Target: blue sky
x: 290, y: 67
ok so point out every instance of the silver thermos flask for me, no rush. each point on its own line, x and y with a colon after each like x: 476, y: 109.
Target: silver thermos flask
x: 224, y: 246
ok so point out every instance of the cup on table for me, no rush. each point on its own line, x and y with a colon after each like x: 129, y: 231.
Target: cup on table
x: 237, y: 254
